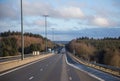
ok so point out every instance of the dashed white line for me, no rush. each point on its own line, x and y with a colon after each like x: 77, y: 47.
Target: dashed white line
x: 70, y: 78
x: 41, y: 69
x: 20, y: 67
x: 31, y: 78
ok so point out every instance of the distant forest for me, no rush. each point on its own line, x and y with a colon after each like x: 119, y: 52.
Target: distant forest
x: 9, y: 33
x: 103, y: 51
x: 10, y: 43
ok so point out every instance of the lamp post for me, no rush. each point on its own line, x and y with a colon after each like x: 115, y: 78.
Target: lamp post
x: 53, y: 34
x: 45, y: 32
x: 22, y: 35
x: 74, y: 45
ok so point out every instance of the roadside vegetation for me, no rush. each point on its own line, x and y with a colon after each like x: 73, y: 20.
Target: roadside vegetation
x: 103, y: 51
x: 10, y: 43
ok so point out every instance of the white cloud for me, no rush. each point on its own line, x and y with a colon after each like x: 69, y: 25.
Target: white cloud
x: 37, y: 8
x: 39, y: 22
x: 100, y: 21
x: 70, y: 12
x: 11, y: 12
x: 41, y: 8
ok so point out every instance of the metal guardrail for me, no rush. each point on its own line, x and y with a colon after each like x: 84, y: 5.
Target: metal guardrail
x: 9, y: 57
x: 17, y: 56
x: 105, y: 68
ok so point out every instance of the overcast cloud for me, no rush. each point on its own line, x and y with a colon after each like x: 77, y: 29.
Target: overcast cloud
x: 63, y: 14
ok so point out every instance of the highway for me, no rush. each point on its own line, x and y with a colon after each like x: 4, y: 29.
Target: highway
x: 59, y: 67
x: 50, y: 69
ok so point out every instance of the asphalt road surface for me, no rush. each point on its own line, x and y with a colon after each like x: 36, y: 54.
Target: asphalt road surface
x: 55, y: 68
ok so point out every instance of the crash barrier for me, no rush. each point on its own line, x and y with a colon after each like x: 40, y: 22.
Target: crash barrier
x: 105, y: 68
x: 15, y: 63
x: 9, y: 57
x: 33, y: 53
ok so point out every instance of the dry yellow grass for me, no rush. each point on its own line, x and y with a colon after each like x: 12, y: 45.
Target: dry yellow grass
x: 31, y: 40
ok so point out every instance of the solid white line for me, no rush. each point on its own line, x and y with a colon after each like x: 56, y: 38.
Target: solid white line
x: 31, y: 78
x: 20, y: 67
x: 70, y: 78
x: 83, y: 70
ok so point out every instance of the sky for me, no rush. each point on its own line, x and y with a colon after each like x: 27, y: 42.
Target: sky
x: 69, y: 18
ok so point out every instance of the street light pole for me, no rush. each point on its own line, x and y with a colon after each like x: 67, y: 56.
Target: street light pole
x: 22, y: 36
x: 74, y: 45
x: 53, y: 34
x: 45, y: 31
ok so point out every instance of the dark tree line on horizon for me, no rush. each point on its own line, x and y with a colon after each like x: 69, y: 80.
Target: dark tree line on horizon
x: 105, y: 38
x: 8, y: 33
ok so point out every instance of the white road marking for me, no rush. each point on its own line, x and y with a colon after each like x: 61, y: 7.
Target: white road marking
x: 41, y: 69
x: 31, y: 78
x: 83, y: 70
x: 21, y: 67
x: 70, y: 78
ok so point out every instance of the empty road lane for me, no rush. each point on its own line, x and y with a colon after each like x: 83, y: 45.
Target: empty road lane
x: 53, y: 68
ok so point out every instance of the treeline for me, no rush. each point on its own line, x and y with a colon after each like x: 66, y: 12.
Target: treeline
x: 8, y: 46
x: 10, y: 43
x: 105, y: 38
x: 9, y: 33
x: 104, y: 51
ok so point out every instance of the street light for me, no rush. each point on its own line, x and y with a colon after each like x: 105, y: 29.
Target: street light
x: 46, y: 31
x: 74, y: 45
x: 22, y: 36
x: 53, y: 34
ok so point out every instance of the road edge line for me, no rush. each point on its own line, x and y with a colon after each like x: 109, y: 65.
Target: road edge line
x: 22, y: 66
x: 83, y: 70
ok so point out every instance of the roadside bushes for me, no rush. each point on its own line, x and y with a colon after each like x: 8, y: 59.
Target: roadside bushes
x: 31, y: 48
x: 85, y: 51
x: 112, y: 57
x: 103, y: 51
x: 10, y: 43
x: 8, y: 46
